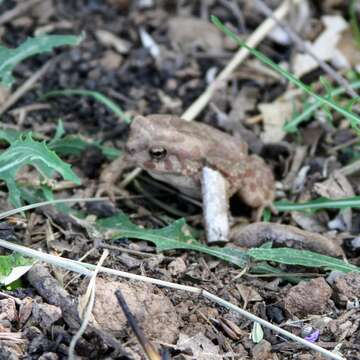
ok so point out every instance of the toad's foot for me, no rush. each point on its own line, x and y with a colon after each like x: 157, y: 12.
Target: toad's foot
x: 258, y: 213
x: 109, y: 176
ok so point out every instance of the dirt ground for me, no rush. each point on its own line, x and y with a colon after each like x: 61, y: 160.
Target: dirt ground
x: 39, y: 319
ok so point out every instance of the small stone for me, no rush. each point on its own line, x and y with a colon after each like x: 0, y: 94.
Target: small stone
x: 177, y: 266
x: 262, y: 350
x: 347, y: 287
x: 299, y: 302
x: 46, y: 314
x: 49, y: 356
x: 8, y: 309
x: 111, y: 60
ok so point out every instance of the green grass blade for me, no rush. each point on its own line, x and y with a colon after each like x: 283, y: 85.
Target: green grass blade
x: 111, y: 105
x: 301, y: 257
x: 318, y: 204
x: 353, y: 118
x: 354, y: 21
x: 292, y: 125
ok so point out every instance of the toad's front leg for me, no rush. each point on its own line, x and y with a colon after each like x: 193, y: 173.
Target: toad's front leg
x: 110, y: 175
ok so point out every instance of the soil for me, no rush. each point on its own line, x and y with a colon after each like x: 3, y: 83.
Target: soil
x: 39, y: 319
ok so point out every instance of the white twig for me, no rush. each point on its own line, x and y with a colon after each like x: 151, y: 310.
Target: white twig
x: 255, y: 38
x: 84, y: 268
x: 90, y: 295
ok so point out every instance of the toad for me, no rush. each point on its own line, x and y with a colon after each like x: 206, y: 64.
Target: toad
x: 175, y: 151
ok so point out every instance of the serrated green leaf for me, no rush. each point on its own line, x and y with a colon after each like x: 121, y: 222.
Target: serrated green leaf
x: 9, y: 58
x: 301, y: 257
x: 60, y: 132
x: 10, y: 135
x: 62, y: 145
x: 26, y: 151
x: 12, y: 267
x: 173, y: 236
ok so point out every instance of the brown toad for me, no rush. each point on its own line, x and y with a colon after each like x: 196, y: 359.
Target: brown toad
x: 175, y: 151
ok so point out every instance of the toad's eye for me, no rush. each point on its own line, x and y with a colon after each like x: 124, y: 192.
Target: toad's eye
x: 158, y: 153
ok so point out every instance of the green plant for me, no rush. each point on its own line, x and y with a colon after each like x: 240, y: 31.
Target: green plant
x: 173, y: 236
x: 9, y: 58
x: 26, y: 151
x: 324, y: 100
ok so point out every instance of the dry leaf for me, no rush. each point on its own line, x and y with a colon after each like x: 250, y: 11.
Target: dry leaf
x: 274, y: 117
x: 324, y: 47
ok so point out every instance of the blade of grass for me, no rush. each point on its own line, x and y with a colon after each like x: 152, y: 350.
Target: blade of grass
x: 111, y: 105
x: 354, y: 22
x: 355, y: 120
x: 292, y: 125
x: 322, y: 203
x: 301, y: 257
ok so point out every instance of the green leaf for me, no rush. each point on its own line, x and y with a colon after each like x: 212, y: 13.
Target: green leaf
x: 12, y: 267
x: 257, y: 333
x: 62, y: 145
x: 9, y: 58
x: 353, y: 118
x: 354, y: 21
x: 111, y: 105
x: 301, y: 257
x: 60, y: 132
x: 321, y: 203
x: 10, y: 135
x: 26, y: 151
x: 173, y: 236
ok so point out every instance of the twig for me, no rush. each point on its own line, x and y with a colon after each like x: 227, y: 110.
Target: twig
x: 90, y: 300
x: 255, y: 38
x: 84, y: 268
x: 351, y: 168
x: 25, y: 87
x: 303, y: 46
x: 147, y: 346
x: 18, y: 10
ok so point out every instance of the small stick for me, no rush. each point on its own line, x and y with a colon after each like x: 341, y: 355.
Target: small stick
x: 17, y: 11
x: 147, y: 346
x: 90, y: 301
